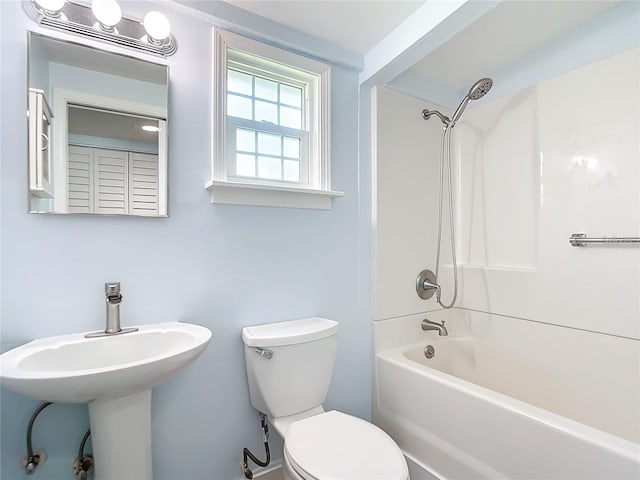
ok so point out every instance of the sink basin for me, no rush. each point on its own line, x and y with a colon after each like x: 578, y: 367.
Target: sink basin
x: 75, y: 369
x: 115, y: 375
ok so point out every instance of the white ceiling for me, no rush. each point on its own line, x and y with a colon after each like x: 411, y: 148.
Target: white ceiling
x: 511, y: 30
x: 356, y: 25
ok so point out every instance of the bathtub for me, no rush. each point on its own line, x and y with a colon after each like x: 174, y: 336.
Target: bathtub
x: 504, y: 398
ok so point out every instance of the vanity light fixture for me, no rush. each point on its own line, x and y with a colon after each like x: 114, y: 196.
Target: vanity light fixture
x: 103, y: 21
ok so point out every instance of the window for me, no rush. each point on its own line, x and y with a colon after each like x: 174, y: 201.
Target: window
x: 265, y: 134
x: 271, y: 126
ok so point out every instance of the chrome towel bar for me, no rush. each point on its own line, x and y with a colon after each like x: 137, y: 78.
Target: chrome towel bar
x: 581, y: 240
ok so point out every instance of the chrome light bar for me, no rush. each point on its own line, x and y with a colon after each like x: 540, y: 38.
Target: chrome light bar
x: 79, y: 20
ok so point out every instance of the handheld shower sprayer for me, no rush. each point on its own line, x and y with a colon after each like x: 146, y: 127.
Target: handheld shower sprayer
x: 427, y: 282
x: 477, y: 91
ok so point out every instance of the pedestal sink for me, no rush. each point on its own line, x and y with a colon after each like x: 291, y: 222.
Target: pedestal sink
x: 115, y: 375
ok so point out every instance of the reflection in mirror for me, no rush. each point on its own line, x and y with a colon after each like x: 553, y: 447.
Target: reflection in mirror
x: 106, y: 147
x: 112, y: 162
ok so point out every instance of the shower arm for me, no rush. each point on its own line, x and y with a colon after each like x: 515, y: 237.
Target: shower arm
x: 426, y: 114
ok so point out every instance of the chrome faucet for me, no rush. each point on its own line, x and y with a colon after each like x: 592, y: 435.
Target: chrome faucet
x: 429, y: 325
x: 113, y: 300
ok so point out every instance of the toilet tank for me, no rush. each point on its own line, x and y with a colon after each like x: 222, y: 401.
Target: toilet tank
x: 296, y: 377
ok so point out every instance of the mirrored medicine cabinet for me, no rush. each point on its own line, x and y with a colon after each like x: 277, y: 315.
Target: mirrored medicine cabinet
x: 97, y: 131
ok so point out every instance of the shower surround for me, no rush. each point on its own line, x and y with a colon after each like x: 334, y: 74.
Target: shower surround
x: 531, y: 168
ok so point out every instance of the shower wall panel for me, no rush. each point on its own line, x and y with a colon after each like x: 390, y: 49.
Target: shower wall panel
x: 531, y: 168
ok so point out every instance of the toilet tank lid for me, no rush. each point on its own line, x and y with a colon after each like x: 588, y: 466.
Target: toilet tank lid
x: 289, y: 333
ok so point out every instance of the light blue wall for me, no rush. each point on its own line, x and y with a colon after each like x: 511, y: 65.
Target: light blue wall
x: 219, y: 266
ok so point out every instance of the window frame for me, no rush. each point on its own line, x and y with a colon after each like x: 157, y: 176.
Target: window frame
x: 294, y: 69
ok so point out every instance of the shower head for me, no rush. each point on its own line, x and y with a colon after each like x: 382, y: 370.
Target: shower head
x: 480, y: 88
x: 477, y: 90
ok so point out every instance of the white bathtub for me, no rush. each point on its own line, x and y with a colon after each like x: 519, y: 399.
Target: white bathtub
x: 509, y: 398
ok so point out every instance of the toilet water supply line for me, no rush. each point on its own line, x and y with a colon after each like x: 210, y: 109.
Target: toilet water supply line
x: 247, y: 453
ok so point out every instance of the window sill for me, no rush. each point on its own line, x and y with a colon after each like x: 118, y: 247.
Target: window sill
x: 270, y: 196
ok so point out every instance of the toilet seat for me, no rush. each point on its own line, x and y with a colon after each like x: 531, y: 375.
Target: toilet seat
x: 337, y: 446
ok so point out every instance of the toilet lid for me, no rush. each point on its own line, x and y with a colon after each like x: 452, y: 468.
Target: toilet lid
x: 333, y: 446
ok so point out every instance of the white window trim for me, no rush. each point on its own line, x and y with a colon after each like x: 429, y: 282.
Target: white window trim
x: 234, y: 190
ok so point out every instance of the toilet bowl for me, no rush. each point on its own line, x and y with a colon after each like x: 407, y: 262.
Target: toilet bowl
x: 334, y: 445
x: 289, y: 367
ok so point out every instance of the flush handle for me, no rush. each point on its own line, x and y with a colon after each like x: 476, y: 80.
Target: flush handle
x: 264, y: 352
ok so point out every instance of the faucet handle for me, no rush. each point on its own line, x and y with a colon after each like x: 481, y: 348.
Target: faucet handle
x: 112, y: 288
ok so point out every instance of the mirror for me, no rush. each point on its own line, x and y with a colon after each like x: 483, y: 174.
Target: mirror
x: 97, y: 131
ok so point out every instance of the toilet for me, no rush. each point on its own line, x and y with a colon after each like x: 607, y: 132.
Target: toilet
x: 289, y: 367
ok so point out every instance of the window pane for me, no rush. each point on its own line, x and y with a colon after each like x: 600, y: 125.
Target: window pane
x: 266, y: 89
x: 266, y: 112
x: 269, y: 167
x: 291, y: 117
x: 245, y: 140
x: 238, y: 106
x: 269, y: 144
x: 291, y: 96
x: 245, y: 165
x: 292, y: 170
x: 239, y: 82
x: 291, y: 147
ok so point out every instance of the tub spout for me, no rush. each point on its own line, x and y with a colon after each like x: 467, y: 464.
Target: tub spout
x: 429, y: 325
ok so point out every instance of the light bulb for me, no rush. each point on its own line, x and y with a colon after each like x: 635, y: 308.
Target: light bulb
x: 156, y: 25
x: 107, y: 12
x: 150, y: 128
x: 52, y: 6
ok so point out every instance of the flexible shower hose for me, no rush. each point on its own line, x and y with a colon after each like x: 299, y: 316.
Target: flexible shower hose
x: 445, y: 155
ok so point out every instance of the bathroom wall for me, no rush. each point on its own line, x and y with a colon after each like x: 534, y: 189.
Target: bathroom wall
x: 565, y: 154
x: 215, y: 265
x: 533, y: 167
x: 406, y: 183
